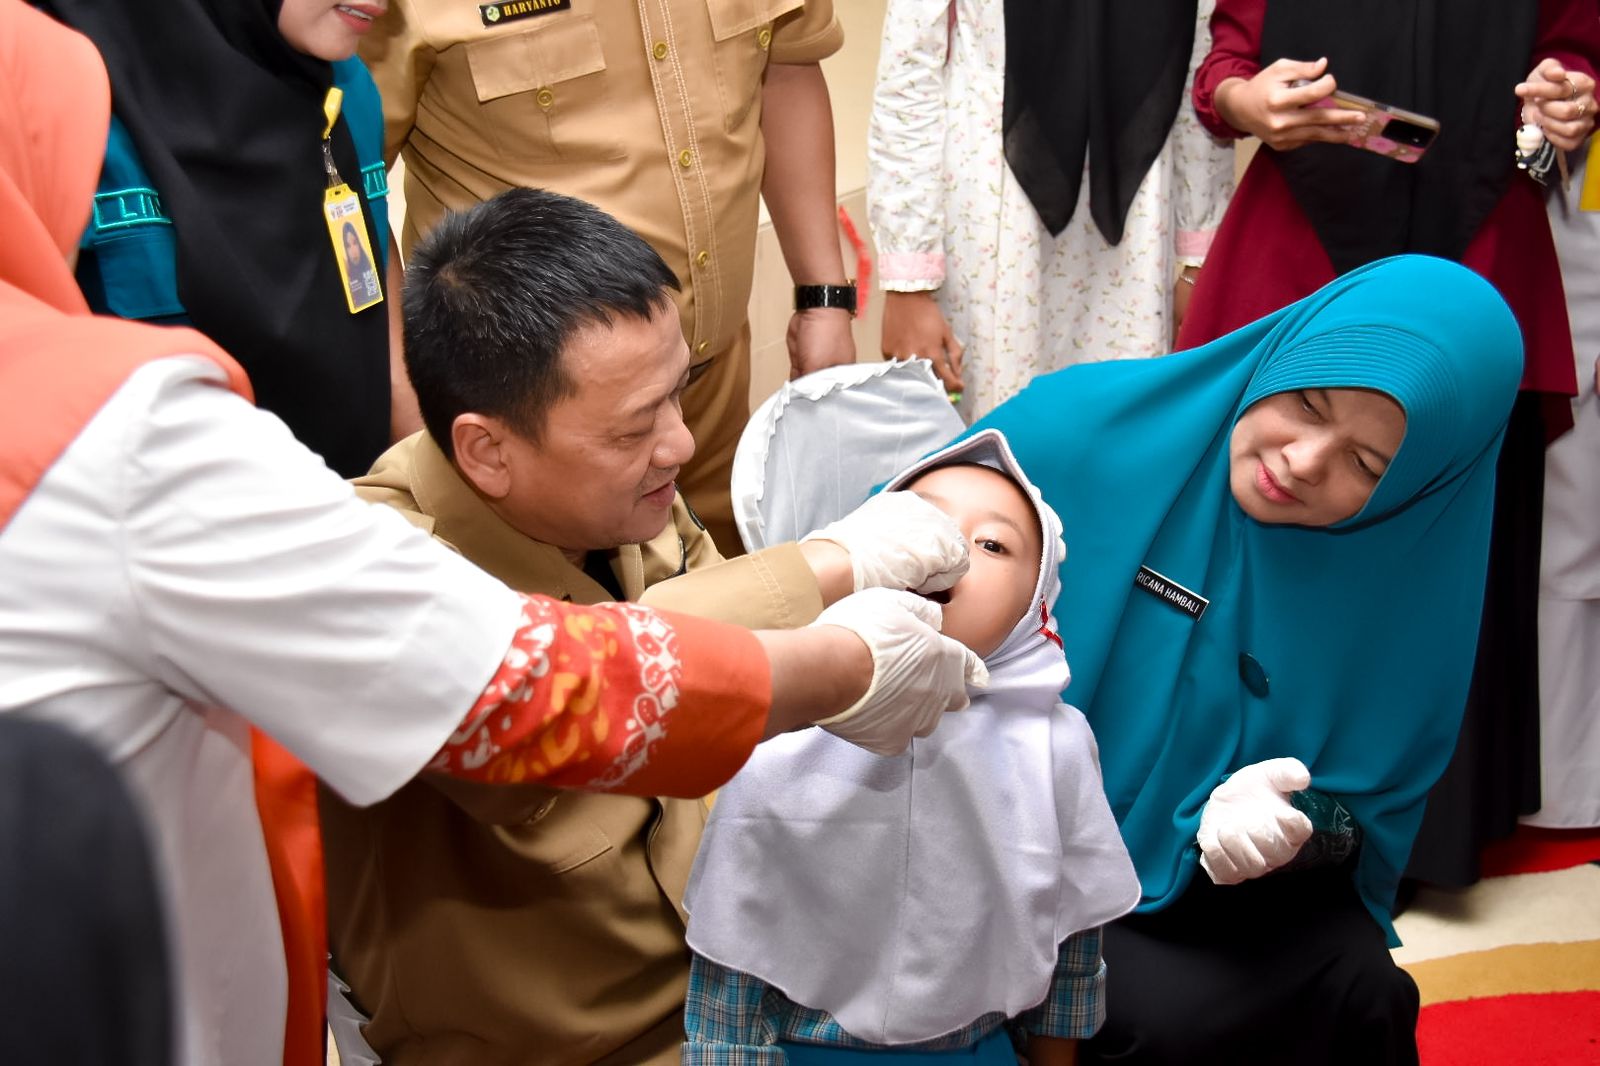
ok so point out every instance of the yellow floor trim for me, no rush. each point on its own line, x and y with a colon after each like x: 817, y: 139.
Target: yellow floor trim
x: 1518, y: 968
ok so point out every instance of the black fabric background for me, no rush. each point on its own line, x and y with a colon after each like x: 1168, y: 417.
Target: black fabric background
x: 1102, y: 76
x: 1457, y: 61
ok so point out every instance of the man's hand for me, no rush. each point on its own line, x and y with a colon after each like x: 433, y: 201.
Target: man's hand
x: 1271, y: 106
x: 917, y: 674
x: 819, y: 337
x: 1559, y: 101
x: 898, y: 540
x: 1249, y: 827
x: 915, y: 328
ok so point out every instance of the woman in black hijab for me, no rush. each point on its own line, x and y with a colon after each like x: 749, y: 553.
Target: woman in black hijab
x: 219, y: 107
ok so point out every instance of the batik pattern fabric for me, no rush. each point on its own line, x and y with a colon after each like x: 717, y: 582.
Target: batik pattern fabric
x: 582, y: 699
x: 948, y: 216
x: 734, y: 1019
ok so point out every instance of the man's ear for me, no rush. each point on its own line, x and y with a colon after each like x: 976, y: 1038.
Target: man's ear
x: 481, y: 455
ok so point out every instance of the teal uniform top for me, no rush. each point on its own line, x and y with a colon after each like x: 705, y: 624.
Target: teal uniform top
x: 1349, y: 646
x: 127, y: 263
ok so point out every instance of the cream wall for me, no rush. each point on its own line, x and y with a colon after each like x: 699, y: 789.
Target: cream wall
x: 850, y: 73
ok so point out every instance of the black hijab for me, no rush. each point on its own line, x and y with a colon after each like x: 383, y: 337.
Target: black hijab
x: 1455, y: 60
x: 228, y: 119
x: 1102, y: 76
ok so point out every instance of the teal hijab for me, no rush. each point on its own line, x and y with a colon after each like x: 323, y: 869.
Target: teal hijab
x: 1348, y: 647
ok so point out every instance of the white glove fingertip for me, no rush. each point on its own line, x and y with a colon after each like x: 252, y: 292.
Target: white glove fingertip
x: 977, y: 673
x: 1287, y: 775
x: 1240, y: 848
x: 1296, y: 828
x: 1219, y: 866
x: 944, y: 579
x: 923, y: 610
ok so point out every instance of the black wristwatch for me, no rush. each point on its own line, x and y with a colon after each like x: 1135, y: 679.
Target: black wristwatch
x: 841, y: 296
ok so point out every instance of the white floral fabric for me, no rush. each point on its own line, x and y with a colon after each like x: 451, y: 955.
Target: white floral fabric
x: 948, y: 216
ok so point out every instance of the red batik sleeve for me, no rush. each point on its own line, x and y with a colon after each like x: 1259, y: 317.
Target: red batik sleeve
x: 616, y: 698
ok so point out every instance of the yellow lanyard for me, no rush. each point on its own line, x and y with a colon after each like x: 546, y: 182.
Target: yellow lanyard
x: 347, y: 223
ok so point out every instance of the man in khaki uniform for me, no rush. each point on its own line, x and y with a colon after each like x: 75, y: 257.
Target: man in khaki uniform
x: 669, y: 114
x: 482, y: 925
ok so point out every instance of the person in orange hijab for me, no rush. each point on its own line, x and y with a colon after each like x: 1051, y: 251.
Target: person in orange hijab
x: 186, y: 585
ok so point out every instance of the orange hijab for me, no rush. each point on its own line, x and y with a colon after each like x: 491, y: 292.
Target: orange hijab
x: 59, y: 365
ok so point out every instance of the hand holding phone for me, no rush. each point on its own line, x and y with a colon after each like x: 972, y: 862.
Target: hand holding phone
x: 1275, y: 105
x: 1388, y: 130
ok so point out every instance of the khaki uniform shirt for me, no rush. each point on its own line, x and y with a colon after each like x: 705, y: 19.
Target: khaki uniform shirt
x: 489, y: 925
x: 650, y: 109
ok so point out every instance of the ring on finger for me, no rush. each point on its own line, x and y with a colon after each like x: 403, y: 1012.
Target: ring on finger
x: 1572, y: 89
x: 1583, y: 109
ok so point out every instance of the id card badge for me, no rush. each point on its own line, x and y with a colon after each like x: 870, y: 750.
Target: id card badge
x: 347, y: 224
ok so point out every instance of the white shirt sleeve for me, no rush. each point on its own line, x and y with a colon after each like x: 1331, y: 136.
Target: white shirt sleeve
x: 260, y: 583
x: 1202, y: 164
x: 905, y: 146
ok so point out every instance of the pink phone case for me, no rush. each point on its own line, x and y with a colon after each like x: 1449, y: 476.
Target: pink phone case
x: 1418, y: 130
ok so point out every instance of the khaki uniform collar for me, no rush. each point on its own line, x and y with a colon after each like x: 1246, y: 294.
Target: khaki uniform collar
x: 418, y: 469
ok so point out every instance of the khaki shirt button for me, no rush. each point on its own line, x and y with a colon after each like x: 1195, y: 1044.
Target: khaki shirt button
x: 685, y: 158
x: 700, y: 349
x: 764, y: 38
x: 660, y: 50
x: 703, y: 258
x: 545, y: 98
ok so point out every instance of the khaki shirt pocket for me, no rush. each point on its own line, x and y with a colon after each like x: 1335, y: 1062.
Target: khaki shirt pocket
x: 556, y: 839
x: 742, y: 30
x: 544, y: 94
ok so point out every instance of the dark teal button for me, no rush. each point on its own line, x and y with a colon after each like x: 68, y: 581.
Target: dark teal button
x: 1253, y: 674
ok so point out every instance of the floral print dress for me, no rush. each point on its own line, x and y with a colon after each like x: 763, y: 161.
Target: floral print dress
x: 948, y: 216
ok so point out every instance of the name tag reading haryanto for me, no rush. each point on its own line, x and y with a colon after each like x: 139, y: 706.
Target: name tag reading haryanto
x: 1170, y: 592
x: 511, y: 10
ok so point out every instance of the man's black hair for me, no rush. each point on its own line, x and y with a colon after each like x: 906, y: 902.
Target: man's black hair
x: 494, y: 293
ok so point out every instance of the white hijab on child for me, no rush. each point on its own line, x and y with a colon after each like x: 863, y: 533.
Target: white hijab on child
x: 909, y: 896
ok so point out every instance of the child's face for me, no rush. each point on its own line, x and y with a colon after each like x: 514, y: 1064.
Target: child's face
x: 1003, y: 529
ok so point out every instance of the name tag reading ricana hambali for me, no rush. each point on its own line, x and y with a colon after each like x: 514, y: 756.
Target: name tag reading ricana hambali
x: 1188, y: 601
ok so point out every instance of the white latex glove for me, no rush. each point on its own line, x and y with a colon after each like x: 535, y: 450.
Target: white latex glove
x: 898, y: 540
x: 917, y: 674
x: 1249, y: 827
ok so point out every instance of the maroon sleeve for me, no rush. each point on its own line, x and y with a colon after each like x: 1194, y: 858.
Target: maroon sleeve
x: 1235, y: 53
x: 1569, y: 32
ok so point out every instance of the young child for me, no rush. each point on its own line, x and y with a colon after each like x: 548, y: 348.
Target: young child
x: 844, y: 904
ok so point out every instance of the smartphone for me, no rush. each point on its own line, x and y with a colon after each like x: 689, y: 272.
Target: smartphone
x: 1391, y: 131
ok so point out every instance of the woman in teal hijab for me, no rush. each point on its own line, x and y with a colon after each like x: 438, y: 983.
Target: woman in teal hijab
x: 1277, y: 547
